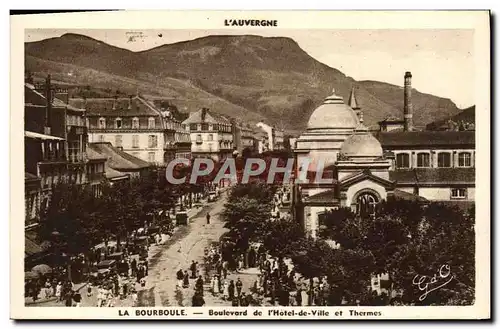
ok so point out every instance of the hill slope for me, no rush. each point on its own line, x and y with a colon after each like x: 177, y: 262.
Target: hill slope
x: 250, y: 77
x: 468, y: 115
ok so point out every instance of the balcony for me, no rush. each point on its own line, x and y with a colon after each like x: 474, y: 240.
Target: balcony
x: 96, y: 176
x: 77, y: 130
x: 169, y: 145
x: 77, y: 157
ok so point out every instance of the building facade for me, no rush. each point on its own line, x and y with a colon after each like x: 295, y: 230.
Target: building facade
x: 279, y: 139
x: 436, y: 165
x: 365, y: 169
x: 133, y: 125
x: 212, y: 135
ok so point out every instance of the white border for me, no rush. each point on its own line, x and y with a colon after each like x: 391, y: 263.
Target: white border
x: 287, y: 20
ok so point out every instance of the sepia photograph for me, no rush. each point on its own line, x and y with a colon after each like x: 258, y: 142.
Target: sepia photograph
x: 257, y: 167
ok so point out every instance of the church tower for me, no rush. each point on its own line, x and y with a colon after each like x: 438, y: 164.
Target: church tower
x: 353, y: 103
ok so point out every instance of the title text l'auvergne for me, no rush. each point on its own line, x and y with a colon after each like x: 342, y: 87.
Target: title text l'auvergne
x: 250, y: 22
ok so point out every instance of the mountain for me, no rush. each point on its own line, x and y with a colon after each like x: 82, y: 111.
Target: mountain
x: 467, y: 116
x: 426, y: 107
x: 249, y: 77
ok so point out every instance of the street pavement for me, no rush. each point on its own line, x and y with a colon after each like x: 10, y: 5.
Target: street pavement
x: 164, y: 266
x: 188, y: 243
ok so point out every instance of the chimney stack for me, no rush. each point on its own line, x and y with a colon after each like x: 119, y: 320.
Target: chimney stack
x: 203, y: 113
x: 48, y: 109
x: 84, y: 106
x: 130, y: 102
x: 408, y: 107
x: 115, y: 100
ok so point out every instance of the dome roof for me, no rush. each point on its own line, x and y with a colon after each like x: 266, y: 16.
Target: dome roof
x: 333, y: 114
x: 361, y: 144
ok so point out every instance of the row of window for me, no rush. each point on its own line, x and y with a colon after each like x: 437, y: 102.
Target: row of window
x: 119, y: 123
x: 443, y: 160
x: 209, y: 126
x: 75, y: 120
x: 152, y: 141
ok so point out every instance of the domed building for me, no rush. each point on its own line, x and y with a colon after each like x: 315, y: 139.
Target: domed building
x: 329, y: 125
x: 345, y: 164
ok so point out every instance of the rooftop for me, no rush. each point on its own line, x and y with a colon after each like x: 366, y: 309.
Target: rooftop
x: 210, y: 117
x: 122, y: 106
x: 34, y: 97
x: 34, y: 135
x: 426, y: 138
x: 434, y: 175
x: 117, y: 159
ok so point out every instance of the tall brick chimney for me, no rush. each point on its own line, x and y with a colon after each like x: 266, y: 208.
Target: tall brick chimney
x: 130, y: 102
x: 408, y: 107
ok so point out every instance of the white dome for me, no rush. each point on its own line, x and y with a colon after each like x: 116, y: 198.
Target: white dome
x: 362, y: 144
x: 333, y: 114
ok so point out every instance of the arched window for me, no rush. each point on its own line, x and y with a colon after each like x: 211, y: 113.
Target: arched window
x: 366, y: 204
x: 198, y: 138
x: 444, y: 160
x: 151, y: 123
x: 135, y: 123
x: 423, y: 160
x: 210, y: 137
x: 118, y: 123
x: 464, y: 159
x: 403, y: 160
x: 102, y: 123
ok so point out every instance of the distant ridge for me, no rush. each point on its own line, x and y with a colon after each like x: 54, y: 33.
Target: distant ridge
x: 247, y: 76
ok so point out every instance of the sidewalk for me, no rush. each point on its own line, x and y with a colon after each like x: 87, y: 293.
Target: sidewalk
x: 143, y: 292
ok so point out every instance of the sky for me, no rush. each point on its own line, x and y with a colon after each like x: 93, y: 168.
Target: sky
x: 441, y: 61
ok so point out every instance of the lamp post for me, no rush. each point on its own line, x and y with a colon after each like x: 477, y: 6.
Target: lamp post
x: 58, y: 244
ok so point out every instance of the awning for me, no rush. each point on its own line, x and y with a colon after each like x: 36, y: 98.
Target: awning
x: 31, y: 134
x: 31, y: 248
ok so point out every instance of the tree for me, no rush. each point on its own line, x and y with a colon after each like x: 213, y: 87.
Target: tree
x: 278, y: 236
x: 66, y: 223
x: 405, y: 239
x: 245, y: 218
x: 259, y: 191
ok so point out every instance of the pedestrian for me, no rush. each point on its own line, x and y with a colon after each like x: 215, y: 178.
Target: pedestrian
x: 225, y: 267
x: 243, y: 299
x: 298, y: 295
x: 216, y: 285
x: 193, y: 269
x: 59, y: 292
x: 185, y: 282
x: 47, y: 291
x: 198, y: 300
x: 231, y: 290
x: 240, y: 263
x: 100, y: 295
x: 77, y: 297
x: 89, y: 289
x: 239, y: 287
x: 180, y: 278
x: 69, y: 298
x: 134, y: 296
x: 208, y: 218
x: 199, y: 285
x: 226, y: 290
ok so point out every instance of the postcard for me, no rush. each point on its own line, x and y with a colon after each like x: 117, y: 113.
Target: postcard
x: 250, y: 165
